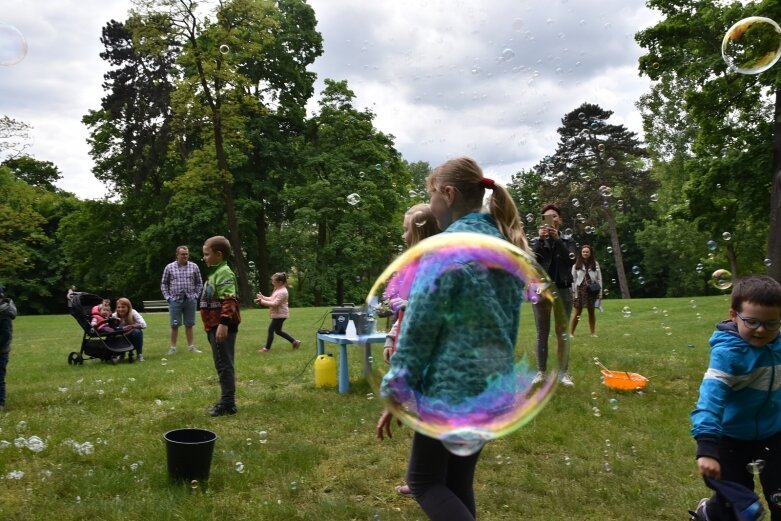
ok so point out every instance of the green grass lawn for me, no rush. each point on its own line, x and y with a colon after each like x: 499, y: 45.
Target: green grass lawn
x: 635, y: 460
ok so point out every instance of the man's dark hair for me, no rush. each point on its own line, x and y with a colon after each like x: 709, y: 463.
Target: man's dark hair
x: 551, y: 206
x: 761, y: 290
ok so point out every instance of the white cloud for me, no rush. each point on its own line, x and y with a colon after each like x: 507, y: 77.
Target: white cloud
x: 487, y: 79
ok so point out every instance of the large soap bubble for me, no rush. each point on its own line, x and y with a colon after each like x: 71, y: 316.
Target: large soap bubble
x: 752, y: 45
x: 13, y: 46
x: 484, y: 384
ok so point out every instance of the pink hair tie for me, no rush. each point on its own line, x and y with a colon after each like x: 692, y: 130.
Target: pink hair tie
x: 487, y: 183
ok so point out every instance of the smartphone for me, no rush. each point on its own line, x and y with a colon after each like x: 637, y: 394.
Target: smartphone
x: 548, y: 220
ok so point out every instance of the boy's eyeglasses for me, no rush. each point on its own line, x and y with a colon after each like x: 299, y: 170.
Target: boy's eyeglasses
x: 754, y: 323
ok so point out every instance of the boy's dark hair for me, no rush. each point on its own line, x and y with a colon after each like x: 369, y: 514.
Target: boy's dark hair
x: 757, y: 289
x: 220, y: 244
x: 280, y: 276
x: 551, y: 206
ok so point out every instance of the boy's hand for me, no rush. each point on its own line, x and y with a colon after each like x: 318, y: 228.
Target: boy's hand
x: 386, y: 354
x: 222, y: 333
x: 709, y: 467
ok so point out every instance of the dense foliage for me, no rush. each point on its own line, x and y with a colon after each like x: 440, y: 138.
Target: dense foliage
x: 203, y: 130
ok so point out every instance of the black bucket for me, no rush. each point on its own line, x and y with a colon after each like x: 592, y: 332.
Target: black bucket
x: 189, y: 453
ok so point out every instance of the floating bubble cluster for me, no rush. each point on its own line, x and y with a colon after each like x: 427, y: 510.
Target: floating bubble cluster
x: 752, y: 45
x: 444, y: 278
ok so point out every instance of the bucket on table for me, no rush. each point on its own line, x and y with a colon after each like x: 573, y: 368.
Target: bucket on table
x: 189, y: 453
x: 325, y: 371
x: 364, y: 323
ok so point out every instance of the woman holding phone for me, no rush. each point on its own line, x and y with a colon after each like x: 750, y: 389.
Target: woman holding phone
x: 556, y: 254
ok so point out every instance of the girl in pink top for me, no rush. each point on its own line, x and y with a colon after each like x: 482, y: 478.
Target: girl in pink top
x: 278, y: 311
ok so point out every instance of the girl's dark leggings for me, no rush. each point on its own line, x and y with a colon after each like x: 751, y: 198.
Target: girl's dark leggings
x: 442, y: 481
x: 276, y: 327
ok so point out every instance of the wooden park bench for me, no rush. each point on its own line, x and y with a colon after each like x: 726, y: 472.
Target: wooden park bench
x: 155, y: 305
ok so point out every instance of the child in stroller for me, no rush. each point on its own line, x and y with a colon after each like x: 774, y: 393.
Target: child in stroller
x: 102, y: 320
x: 103, y: 337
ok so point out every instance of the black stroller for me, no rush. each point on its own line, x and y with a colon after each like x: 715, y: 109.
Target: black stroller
x: 109, y: 346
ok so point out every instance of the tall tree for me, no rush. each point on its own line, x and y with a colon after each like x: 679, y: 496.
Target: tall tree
x: 737, y: 148
x: 15, y: 137
x: 42, y: 174
x: 350, y: 208
x: 598, y: 169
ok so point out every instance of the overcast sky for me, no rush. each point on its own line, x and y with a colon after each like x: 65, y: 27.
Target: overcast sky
x: 485, y: 78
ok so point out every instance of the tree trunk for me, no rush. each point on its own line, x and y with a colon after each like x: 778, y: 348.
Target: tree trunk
x: 732, y: 259
x: 617, y: 255
x: 264, y: 270
x: 340, y: 290
x: 774, y: 231
x: 245, y: 292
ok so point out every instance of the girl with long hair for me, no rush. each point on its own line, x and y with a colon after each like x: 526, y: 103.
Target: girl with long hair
x: 586, y: 276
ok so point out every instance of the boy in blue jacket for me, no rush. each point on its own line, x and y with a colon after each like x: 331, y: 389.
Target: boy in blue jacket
x: 737, y: 420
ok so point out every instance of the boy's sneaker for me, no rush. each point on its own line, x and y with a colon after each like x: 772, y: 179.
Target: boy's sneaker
x: 700, y: 513
x: 296, y: 344
x: 194, y: 349
x: 566, y: 380
x: 171, y: 351
x: 140, y: 358
x: 221, y: 410
x: 538, y: 378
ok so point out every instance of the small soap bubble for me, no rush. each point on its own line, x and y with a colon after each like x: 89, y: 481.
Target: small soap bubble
x: 775, y: 498
x: 654, y: 198
x: 353, y: 199
x: 712, y: 245
x: 605, y: 191
x: 601, y: 147
x: 611, y: 162
x: 595, y: 411
x: 293, y: 486
x: 20, y: 442
x: 508, y: 54
x: 248, y: 441
x: 194, y: 484
x: 767, y: 262
x: 370, y: 396
x: 575, y: 203
x: 607, y: 467
x: 668, y: 330
x: 581, y: 116
x: 35, y: 444
x: 726, y: 236
x: 572, y: 255
x: 699, y: 268
x: 567, y: 461
x: 613, y: 404
x: 21, y: 426
x: 610, y: 249
x: 263, y: 436
x: 756, y: 466
x: 721, y: 279
x: 13, y: 46
x: 752, y: 45
x: 626, y: 312
x: 624, y: 248
x: 529, y: 217
x: 224, y: 49
x: 636, y: 270
x: 239, y: 467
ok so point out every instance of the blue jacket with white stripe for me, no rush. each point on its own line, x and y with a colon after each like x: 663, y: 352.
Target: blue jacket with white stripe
x: 740, y: 395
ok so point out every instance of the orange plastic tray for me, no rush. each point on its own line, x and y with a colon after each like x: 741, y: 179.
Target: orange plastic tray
x: 623, y: 380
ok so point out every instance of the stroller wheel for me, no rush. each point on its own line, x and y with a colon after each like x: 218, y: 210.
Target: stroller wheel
x: 75, y: 358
